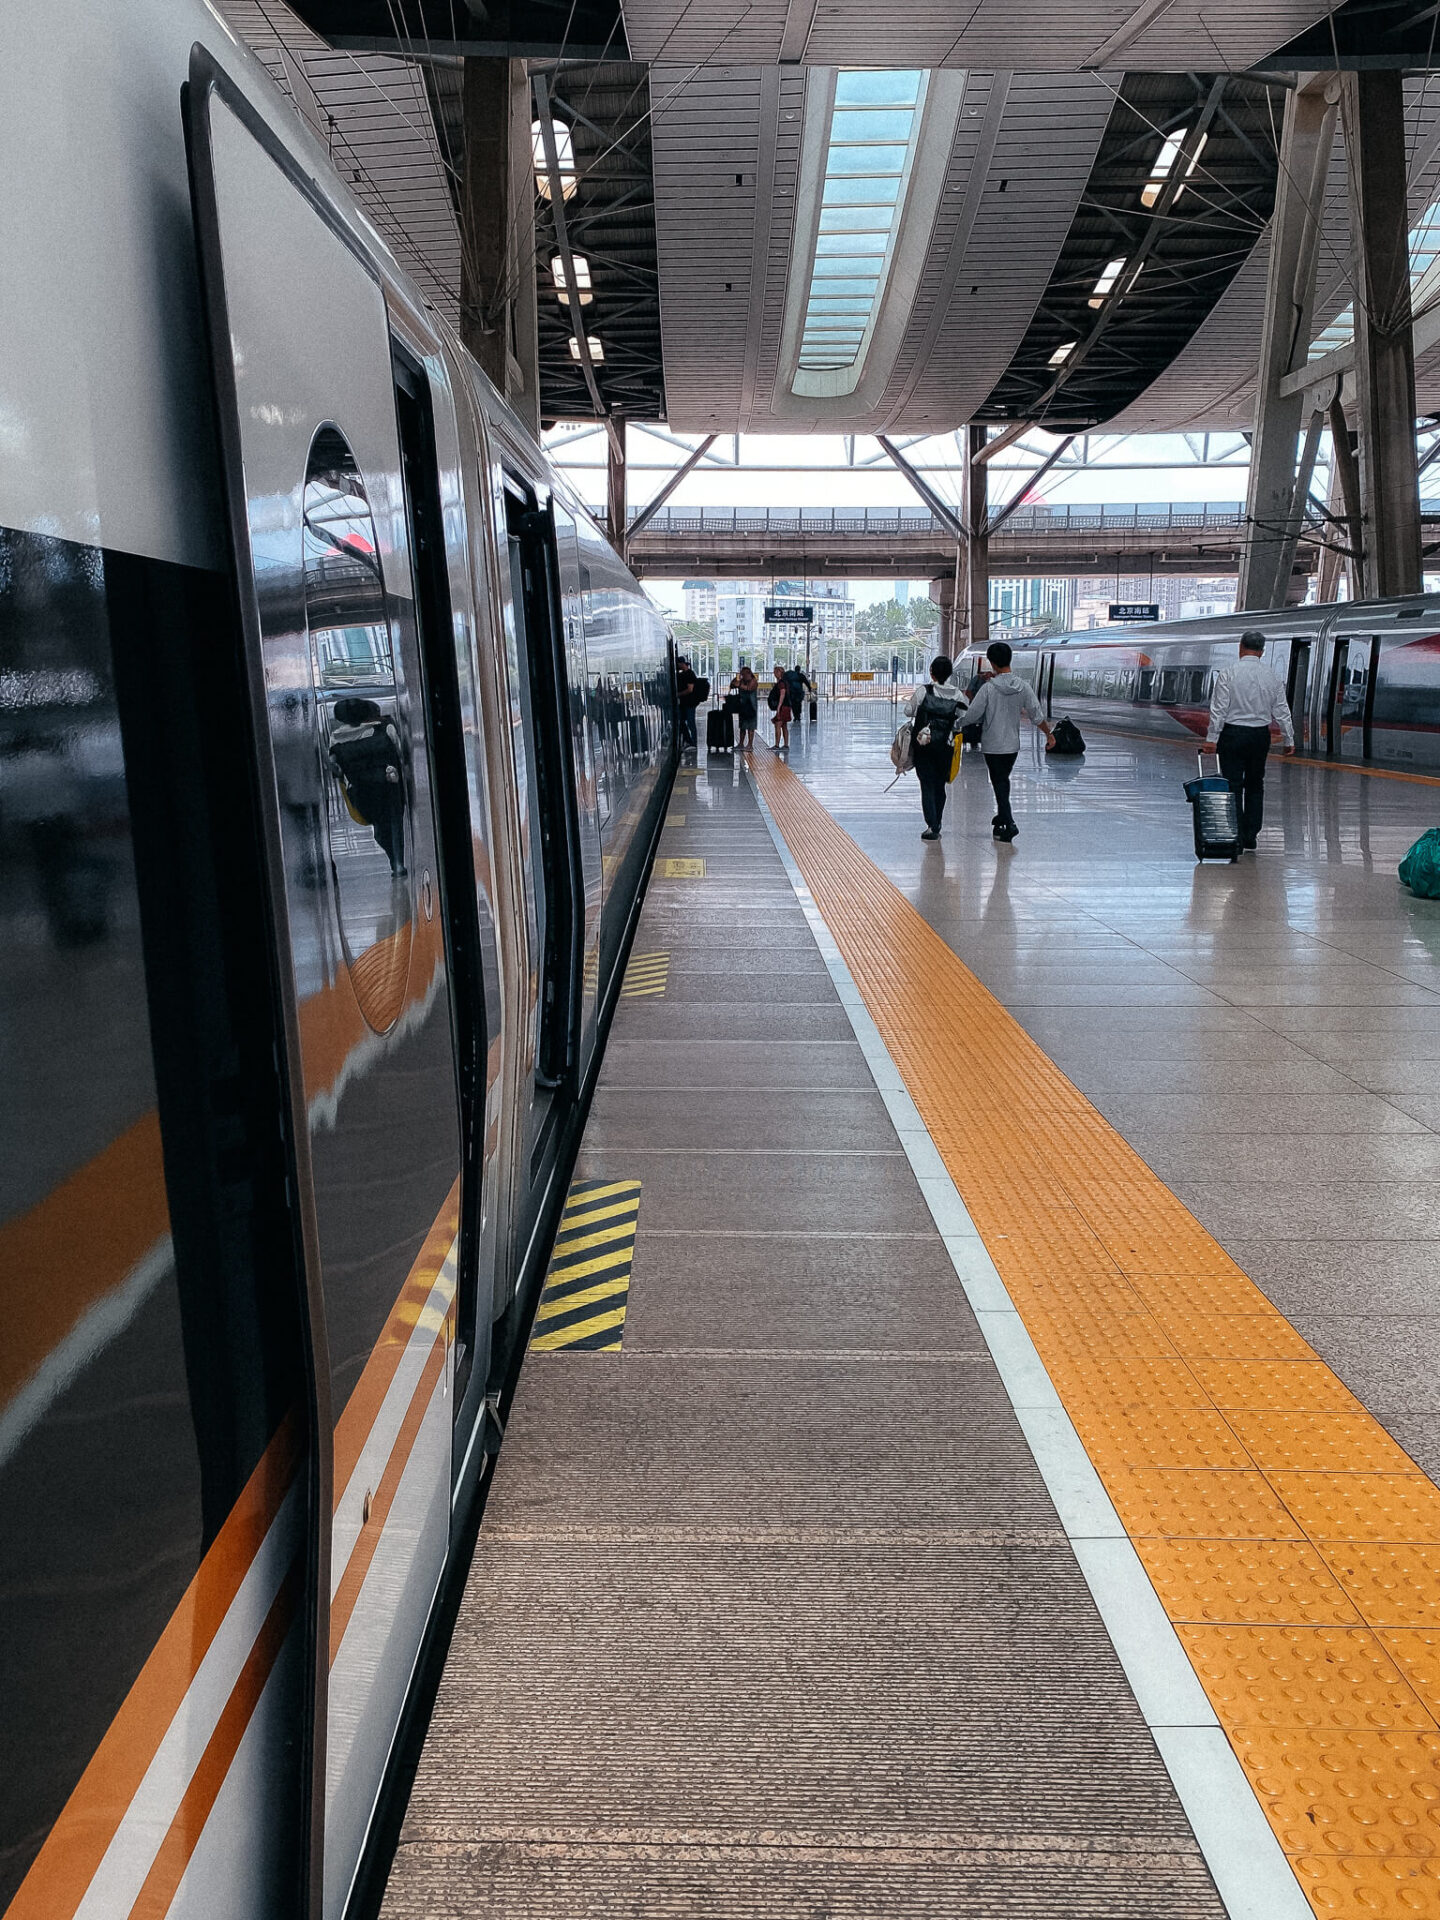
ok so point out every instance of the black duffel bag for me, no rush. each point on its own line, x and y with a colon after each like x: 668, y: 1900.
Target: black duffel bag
x: 1068, y: 738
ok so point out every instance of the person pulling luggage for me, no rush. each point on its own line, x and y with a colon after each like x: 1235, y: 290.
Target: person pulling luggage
x: 1245, y: 702
x: 934, y: 711
x: 997, y: 710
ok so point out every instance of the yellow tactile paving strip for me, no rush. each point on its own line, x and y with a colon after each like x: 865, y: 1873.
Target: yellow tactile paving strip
x: 1293, y: 1544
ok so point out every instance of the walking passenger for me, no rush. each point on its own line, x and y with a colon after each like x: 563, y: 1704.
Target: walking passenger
x: 1245, y: 702
x: 778, y: 701
x: 747, y: 687
x: 997, y: 709
x: 935, y: 711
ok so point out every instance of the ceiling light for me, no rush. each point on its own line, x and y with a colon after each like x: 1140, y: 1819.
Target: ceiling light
x: 1105, y: 284
x: 582, y: 278
x: 564, y: 158
x: 1161, y: 170
x: 597, y: 352
x: 1061, y: 354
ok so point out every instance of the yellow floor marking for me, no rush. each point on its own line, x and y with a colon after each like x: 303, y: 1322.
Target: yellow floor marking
x: 583, y: 1297
x: 646, y: 977
x: 674, y: 819
x: 679, y: 869
x: 573, y: 1335
x: 573, y: 1221
x: 624, y: 1231
x: 574, y: 1285
x: 1294, y: 1545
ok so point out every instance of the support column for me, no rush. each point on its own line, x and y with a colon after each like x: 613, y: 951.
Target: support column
x: 1374, y: 111
x: 615, y: 520
x: 1344, y: 498
x: 977, y: 540
x: 1275, y: 500
x: 944, y: 593
x: 498, y: 313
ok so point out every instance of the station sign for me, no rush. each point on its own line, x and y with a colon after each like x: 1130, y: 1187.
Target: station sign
x: 1132, y: 610
x: 789, y: 613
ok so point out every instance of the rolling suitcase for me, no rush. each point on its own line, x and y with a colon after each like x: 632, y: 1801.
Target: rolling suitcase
x: 1216, y: 818
x: 719, y: 732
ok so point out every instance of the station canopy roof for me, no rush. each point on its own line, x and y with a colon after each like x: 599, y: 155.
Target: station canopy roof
x: 833, y: 216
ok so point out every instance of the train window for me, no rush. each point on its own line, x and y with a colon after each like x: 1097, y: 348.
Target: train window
x: 1146, y: 689
x: 361, y: 730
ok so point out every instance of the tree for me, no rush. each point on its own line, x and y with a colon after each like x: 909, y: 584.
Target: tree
x: 924, y: 616
x: 886, y: 623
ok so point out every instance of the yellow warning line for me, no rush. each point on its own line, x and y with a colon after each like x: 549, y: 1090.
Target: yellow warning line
x: 580, y: 1279
x: 1294, y: 1545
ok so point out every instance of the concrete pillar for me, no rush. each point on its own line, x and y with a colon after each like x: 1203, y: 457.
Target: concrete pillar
x: 1275, y: 501
x: 943, y: 593
x: 615, y: 510
x: 498, y: 312
x: 976, y: 617
x: 1373, y: 105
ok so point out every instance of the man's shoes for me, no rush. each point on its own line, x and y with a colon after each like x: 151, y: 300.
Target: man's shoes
x: 1005, y: 834
x: 931, y: 833
x: 994, y: 819
x: 1248, y: 846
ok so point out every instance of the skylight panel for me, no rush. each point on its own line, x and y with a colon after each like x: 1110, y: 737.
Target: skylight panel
x: 1164, y: 165
x: 1105, y: 285
x: 873, y: 124
x: 564, y: 158
x: 582, y: 278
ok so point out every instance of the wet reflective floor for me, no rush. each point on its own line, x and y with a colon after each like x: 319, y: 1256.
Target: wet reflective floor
x: 1266, y: 1035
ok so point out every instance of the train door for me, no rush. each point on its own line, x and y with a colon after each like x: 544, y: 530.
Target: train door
x: 551, y: 876
x: 1297, y: 690
x: 315, y: 481
x: 1350, y: 696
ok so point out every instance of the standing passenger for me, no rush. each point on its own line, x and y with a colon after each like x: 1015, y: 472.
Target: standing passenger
x: 1244, y: 702
x: 778, y: 700
x: 996, y: 710
x: 688, y: 696
x: 748, y: 688
x: 935, y: 709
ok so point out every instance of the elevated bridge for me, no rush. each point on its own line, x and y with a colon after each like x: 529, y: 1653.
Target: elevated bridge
x: 913, y: 543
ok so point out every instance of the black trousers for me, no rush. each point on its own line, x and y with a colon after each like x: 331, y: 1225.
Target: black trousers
x: 1243, y: 752
x: 932, y: 770
x: 999, y: 766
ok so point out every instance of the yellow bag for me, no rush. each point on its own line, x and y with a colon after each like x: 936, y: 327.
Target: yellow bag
x: 956, y: 750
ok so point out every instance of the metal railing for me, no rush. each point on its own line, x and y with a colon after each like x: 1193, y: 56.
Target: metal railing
x: 1177, y: 516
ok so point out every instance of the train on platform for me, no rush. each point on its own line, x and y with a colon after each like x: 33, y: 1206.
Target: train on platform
x: 1362, y: 677
x: 334, y: 747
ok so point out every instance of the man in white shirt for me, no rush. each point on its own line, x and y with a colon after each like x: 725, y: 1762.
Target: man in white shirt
x: 1247, y: 700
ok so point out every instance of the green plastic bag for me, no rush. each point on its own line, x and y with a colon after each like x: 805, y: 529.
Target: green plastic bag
x: 1420, y: 869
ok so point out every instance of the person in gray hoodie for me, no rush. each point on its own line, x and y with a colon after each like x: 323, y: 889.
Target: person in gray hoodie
x: 997, y: 710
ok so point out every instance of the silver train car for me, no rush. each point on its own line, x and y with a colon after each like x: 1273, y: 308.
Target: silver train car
x: 334, y: 743
x: 1363, y: 677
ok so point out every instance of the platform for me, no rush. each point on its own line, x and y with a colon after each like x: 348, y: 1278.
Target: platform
x: 1007, y: 1493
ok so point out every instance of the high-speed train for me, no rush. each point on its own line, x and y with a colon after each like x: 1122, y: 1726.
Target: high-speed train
x: 334, y: 742
x: 1362, y: 678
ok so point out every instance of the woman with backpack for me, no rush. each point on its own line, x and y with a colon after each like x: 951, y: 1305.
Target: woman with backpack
x: 934, y: 711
